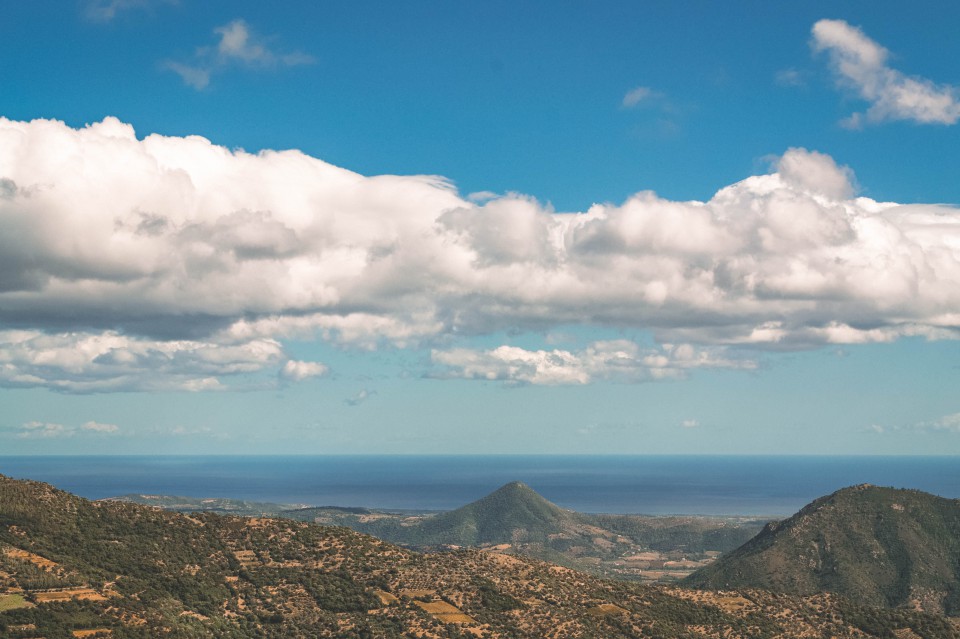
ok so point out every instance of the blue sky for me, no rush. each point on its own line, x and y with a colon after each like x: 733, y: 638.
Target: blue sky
x: 445, y: 227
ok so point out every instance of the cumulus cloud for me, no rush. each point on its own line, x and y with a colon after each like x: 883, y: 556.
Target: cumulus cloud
x: 861, y: 65
x: 296, y: 371
x: 816, y: 173
x: 689, y: 423
x: 170, y: 262
x: 237, y: 45
x: 108, y: 361
x: 616, y: 359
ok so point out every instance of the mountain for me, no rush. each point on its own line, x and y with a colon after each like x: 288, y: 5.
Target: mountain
x: 74, y: 568
x: 514, y: 513
x: 881, y: 546
x: 517, y: 520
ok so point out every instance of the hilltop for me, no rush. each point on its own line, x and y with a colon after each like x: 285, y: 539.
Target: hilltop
x: 518, y: 520
x: 74, y: 568
x: 514, y: 513
x: 882, y: 546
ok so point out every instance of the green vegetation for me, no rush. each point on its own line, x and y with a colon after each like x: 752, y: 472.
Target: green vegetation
x: 532, y: 526
x: 878, y: 546
x: 516, y: 515
x: 494, y: 600
x: 11, y: 602
x: 143, y: 572
x: 512, y: 513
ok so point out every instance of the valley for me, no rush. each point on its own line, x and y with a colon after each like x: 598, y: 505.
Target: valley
x: 516, y: 520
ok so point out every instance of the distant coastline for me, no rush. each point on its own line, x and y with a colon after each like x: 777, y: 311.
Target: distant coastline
x: 649, y: 484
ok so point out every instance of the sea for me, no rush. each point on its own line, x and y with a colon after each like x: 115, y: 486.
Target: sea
x: 757, y: 486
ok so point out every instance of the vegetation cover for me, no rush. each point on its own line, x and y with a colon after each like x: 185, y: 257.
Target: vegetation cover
x: 515, y: 519
x: 879, y: 546
x: 124, y: 570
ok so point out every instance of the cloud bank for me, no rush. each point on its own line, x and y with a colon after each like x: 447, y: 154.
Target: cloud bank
x: 50, y: 430
x: 171, y: 262
x: 861, y: 65
x: 615, y: 359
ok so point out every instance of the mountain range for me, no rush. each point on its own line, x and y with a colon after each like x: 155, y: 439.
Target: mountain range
x: 74, y: 568
x: 516, y: 519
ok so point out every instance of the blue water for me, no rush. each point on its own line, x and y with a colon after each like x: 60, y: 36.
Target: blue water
x: 709, y: 485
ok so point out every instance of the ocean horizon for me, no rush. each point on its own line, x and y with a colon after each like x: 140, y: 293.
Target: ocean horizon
x: 761, y: 486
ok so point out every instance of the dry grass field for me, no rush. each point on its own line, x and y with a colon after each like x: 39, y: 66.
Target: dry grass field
x: 36, y: 560
x: 445, y: 612
x: 607, y: 609
x: 67, y: 594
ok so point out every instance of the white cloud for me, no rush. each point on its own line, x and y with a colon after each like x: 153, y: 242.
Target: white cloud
x: 97, y: 427
x: 816, y: 173
x: 44, y: 430
x: 107, y: 10
x: 482, y: 196
x: 861, y: 65
x: 639, y: 95
x: 191, y: 431
x: 193, y: 76
x: 297, y: 371
x: 108, y: 361
x: 170, y: 262
x: 238, y: 45
x: 618, y: 359
x: 51, y: 430
x: 946, y: 424
x: 689, y: 423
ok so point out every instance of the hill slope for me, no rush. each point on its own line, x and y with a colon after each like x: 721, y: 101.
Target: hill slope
x: 512, y: 513
x: 72, y: 568
x: 214, y: 504
x: 882, y: 546
x: 516, y: 519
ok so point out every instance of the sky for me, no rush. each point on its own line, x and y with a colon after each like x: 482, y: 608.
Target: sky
x: 447, y: 227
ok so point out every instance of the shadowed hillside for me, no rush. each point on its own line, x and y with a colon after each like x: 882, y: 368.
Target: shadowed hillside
x: 882, y: 546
